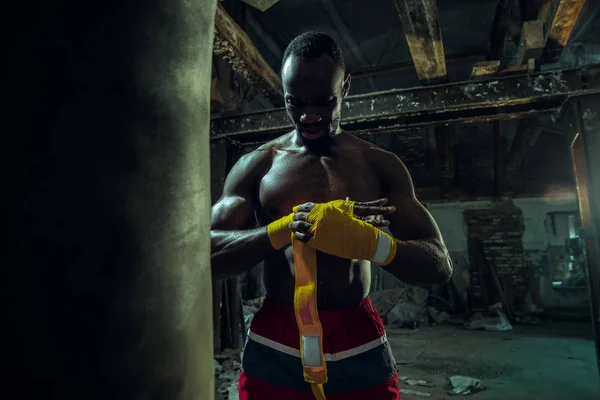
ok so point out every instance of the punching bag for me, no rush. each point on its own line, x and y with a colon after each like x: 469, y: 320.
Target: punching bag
x: 107, y: 294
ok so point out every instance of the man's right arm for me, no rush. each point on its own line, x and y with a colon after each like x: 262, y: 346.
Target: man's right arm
x: 235, y: 245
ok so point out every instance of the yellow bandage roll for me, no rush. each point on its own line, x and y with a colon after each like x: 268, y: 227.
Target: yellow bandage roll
x: 279, y: 232
x: 307, y: 318
x: 338, y: 232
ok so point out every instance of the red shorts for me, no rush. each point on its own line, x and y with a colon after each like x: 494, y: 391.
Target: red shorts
x: 360, y: 364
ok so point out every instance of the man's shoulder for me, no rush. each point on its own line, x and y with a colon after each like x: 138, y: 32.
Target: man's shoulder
x: 262, y: 157
x: 372, y: 152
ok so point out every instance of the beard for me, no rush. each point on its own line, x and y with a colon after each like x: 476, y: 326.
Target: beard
x: 324, y: 141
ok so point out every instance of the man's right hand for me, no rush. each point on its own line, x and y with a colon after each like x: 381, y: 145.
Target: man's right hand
x: 371, y: 212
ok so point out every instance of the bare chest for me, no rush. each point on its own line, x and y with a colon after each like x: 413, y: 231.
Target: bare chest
x: 296, y: 179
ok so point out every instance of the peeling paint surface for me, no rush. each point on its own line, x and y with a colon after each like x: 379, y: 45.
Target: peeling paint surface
x: 470, y: 98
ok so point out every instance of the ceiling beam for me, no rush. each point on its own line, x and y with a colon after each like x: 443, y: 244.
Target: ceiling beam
x: 232, y: 43
x: 500, y: 98
x: 560, y: 25
x: 341, y: 27
x: 421, y: 27
x: 532, y: 42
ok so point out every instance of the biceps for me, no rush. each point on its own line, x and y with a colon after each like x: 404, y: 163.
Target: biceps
x: 231, y: 213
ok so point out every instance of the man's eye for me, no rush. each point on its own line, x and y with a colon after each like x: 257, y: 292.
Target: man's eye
x: 326, y: 101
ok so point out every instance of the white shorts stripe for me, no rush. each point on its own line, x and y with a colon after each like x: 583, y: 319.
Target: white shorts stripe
x: 328, y: 357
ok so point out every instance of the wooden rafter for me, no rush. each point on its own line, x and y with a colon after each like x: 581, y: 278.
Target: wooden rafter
x: 532, y: 41
x: 232, y: 43
x: 422, y: 30
x: 505, y: 97
x: 421, y: 27
x: 560, y: 24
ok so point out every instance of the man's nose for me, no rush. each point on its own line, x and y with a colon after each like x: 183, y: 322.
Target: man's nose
x: 310, y: 117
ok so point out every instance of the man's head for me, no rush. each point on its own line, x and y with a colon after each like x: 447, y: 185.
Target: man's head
x: 314, y: 84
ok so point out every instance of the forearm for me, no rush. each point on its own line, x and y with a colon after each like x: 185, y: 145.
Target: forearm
x: 421, y: 262
x: 234, y: 252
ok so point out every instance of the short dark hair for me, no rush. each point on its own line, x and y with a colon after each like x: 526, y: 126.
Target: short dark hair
x: 310, y: 45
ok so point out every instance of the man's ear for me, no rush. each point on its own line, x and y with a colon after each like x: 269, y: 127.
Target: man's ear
x: 346, y: 86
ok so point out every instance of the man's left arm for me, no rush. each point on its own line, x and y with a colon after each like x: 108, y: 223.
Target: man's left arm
x: 421, y: 256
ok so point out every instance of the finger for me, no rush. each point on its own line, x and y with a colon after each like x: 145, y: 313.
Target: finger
x: 300, y: 216
x: 378, y: 202
x: 375, y: 220
x: 371, y: 210
x: 306, y: 207
x: 378, y: 224
x: 304, y: 237
x: 300, y: 226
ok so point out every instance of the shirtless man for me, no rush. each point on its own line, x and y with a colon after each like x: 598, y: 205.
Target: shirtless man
x: 314, y: 164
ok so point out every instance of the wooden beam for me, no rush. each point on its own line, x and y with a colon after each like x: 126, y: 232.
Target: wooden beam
x: 232, y: 43
x: 561, y: 26
x: 424, y: 37
x: 483, y: 69
x: 532, y: 41
x: 587, y: 172
x: 401, y: 109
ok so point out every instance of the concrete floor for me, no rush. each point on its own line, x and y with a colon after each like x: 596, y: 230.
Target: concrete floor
x: 553, y: 361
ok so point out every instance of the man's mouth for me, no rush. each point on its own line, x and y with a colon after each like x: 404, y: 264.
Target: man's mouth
x: 313, y: 133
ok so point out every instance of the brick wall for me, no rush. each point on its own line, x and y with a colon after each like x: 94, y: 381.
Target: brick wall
x: 500, y: 229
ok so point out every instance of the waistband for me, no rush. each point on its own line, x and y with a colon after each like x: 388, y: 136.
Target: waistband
x: 343, y: 328
x: 277, y: 308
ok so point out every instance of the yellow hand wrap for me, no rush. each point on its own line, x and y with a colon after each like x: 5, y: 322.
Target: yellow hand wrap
x: 307, y: 318
x: 279, y: 232
x: 338, y: 232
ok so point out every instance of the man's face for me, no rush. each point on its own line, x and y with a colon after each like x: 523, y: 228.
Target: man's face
x: 313, y: 91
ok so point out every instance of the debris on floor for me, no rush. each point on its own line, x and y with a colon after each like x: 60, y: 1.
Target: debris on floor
x: 250, y: 308
x: 437, y: 316
x: 465, y: 385
x: 227, y: 371
x: 419, y: 382
x: 494, y: 324
x: 218, y: 368
x: 405, y: 307
x: 496, y: 310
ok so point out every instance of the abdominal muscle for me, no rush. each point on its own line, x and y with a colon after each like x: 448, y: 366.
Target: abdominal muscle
x: 340, y: 282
